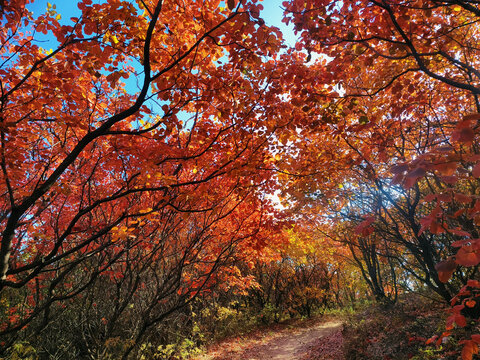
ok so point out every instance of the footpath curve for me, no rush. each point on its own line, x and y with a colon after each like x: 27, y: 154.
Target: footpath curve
x: 318, y: 341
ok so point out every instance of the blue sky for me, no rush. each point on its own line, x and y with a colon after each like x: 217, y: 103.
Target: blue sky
x: 272, y: 13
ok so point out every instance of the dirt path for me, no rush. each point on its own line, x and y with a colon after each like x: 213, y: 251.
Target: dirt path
x: 318, y: 341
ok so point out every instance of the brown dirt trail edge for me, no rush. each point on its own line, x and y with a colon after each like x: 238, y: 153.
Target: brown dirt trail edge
x: 287, y: 344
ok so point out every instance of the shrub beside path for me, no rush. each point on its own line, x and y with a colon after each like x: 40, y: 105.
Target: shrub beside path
x: 320, y: 340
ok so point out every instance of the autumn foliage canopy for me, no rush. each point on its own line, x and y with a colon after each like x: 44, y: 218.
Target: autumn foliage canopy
x: 142, y: 143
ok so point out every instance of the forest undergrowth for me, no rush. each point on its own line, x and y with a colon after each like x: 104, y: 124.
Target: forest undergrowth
x: 407, y: 329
